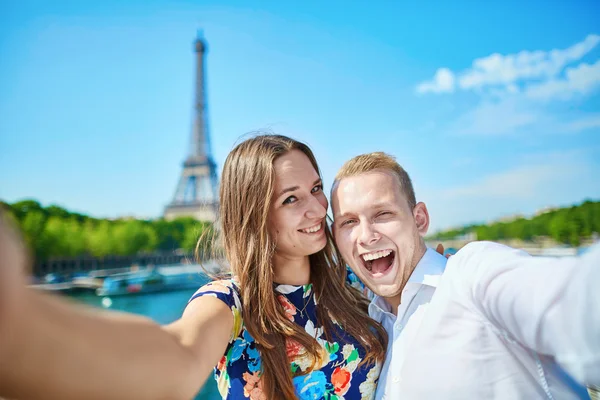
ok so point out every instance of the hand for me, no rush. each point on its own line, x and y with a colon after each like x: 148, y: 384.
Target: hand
x: 440, y: 249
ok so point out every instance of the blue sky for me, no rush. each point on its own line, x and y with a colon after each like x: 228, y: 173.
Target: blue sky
x: 493, y: 109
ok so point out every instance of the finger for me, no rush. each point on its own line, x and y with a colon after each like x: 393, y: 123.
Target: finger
x: 440, y: 249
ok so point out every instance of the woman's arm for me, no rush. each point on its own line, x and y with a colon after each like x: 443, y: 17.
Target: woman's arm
x: 51, y: 348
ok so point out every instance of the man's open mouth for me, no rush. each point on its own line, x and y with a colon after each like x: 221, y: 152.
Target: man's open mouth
x: 378, y: 262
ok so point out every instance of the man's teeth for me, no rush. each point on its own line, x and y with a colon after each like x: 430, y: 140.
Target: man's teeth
x: 376, y: 255
x: 314, y: 229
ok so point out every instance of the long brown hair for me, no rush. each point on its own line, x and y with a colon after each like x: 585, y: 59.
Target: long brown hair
x: 246, y: 192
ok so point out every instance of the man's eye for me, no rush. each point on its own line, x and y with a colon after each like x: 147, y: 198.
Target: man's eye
x: 383, y: 213
x: 290, y: 200
x: 317, y: 189
x: 347, y: 222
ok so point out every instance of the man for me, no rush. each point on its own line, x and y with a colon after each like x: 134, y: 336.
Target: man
x: 492, y: 323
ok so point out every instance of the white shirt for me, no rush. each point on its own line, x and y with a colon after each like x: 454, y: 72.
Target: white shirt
x: 500, y: 324
x: 415, y: 294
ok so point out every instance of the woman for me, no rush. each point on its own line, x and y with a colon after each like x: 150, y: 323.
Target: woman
x: 285, y: 326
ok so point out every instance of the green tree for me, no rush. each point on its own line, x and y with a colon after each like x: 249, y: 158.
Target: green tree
x: 574, y: 238
x: 134, y: 236
x: 594, y: 215
x: 199, y: 237
x: 56, y: 211
x: 483, y: 233
x: 559, y: 229
x: 24, y: 207
x: 166, y: 237
x: 99, y: 239
x: 32, y: 226
x: 172, y: 234
x: 63, y: 237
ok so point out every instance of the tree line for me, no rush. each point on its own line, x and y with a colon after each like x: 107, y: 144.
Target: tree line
x: 53, y: 232
x: 568, y: 225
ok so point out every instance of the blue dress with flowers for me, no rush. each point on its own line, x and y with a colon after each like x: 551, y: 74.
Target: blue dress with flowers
x: 338, y: 377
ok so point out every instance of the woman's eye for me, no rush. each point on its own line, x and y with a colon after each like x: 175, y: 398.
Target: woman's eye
x: 317, y: 188
x: 290, y: 200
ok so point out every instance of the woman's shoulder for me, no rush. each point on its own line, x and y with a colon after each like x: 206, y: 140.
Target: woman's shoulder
x: 226, y: 290
x: 227, y: 283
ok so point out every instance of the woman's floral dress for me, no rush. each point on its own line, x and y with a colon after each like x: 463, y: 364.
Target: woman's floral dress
x: 338, y: 377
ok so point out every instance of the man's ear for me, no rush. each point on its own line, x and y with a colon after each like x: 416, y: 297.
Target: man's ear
x: 421, y: 216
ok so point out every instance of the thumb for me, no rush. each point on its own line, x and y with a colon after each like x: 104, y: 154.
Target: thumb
x: 440, y: 249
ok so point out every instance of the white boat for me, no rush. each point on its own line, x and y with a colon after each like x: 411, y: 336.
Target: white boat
x: 157, y: 279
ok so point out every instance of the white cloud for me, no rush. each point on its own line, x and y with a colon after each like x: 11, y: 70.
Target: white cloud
x: 494, y: 118
x: 535, y: 173
x: 525, y: 94
x: 519, y: 183
x: 443, y: 82
x: 515, y: 90
x: 582, y: 124
x: 506, y: 71
x: 516, y: 115
x: 534, y: 181
x: 581, y: 79
x: 539, y: 180
x: 497, y: 69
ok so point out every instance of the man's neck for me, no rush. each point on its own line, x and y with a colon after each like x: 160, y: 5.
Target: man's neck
x: 395, y: 301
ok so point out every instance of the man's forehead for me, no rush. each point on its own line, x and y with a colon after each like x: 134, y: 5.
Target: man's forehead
x: 365, y: 190
x: 368, y: 181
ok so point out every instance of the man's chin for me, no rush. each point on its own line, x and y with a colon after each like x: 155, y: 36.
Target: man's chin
x: 385, y: 290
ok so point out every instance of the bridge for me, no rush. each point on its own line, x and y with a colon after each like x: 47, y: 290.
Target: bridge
x: 94, y: 265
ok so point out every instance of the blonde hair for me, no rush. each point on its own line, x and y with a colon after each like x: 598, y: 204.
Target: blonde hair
x: 378, y: 161
x: 246, y: 192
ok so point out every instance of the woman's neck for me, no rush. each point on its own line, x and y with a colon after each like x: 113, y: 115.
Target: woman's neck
x: 291, y: 271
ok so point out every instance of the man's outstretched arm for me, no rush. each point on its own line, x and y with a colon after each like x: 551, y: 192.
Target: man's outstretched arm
x: 548, y: 304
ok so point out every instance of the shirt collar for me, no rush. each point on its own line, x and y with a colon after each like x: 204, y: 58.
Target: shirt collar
x: 428, y: 271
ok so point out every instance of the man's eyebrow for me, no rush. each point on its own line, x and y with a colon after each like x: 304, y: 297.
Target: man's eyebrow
x: 338, y: 216
x: 376, y: 206
x: 294, y: 188
x: 380, y: 204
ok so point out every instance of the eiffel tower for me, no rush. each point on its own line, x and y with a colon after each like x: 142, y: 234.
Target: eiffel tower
x: 196, y: 194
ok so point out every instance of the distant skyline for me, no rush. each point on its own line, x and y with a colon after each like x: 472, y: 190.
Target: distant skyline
x: 493, y: 109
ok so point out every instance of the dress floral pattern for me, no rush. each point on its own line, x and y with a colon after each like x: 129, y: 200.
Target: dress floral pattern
x: 336, y: 377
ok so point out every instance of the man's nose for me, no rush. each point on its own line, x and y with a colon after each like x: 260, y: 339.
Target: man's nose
x: 367, y: 235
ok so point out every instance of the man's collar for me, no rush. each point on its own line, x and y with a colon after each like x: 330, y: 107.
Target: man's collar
x: 429, y: 268
x: 428, y: 271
